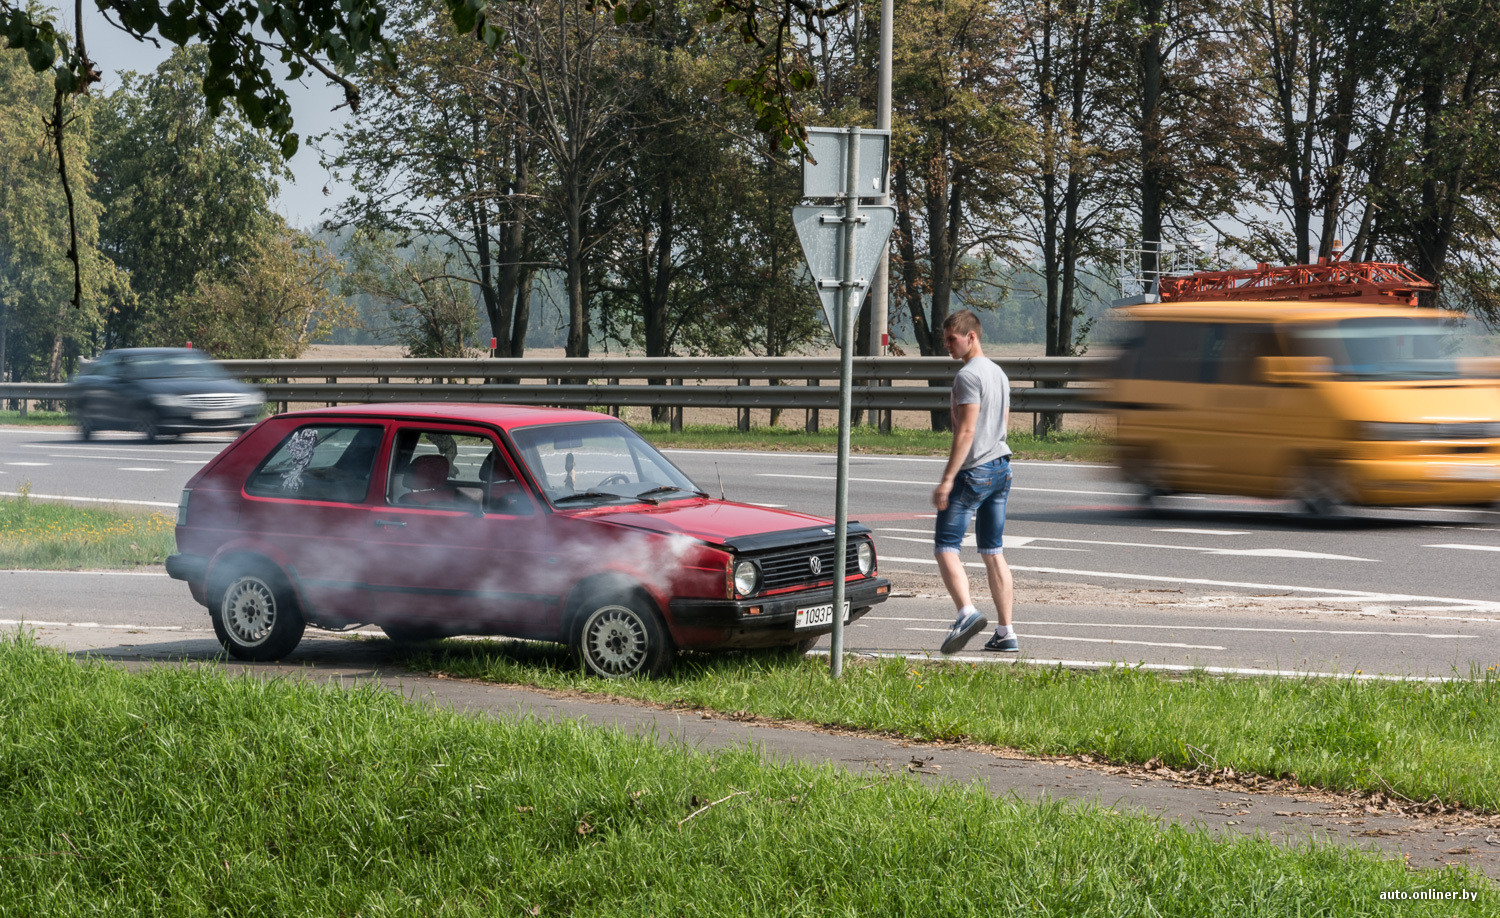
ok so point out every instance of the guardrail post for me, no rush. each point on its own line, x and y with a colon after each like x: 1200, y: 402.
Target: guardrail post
x: 332, y: 381
x: 614, y: 409
x: 284, y: 405
x: 675, y: 412
x: 812, y: 413
x: 885, y: 413
x: 24, y: 403
x: 744, y: 413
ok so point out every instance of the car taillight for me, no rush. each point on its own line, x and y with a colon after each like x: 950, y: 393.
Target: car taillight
x: 182, y: 507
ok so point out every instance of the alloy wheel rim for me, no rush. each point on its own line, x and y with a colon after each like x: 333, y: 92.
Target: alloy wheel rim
x: 249, y: 611
x: 615, y: 641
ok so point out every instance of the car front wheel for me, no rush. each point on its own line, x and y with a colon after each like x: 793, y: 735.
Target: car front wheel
x: 621, y: 637
x: 256, y: 617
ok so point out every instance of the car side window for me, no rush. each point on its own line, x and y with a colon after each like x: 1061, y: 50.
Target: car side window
x: 320, y: 462
x: 441, y: 469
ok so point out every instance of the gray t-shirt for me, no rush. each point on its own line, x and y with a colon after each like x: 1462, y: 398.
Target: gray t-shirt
x: 982, y: 381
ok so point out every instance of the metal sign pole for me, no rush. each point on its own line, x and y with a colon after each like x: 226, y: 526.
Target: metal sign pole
x: 852, y: 290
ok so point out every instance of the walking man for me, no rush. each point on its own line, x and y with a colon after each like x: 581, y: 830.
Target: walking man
x: 976, y: 483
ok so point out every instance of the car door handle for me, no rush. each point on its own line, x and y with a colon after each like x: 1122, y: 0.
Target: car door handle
x: 391, y: 524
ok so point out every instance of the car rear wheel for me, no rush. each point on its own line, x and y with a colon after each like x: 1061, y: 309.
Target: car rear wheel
x: 85, y: 426
x: 256, y: 617
x: 622, y: 636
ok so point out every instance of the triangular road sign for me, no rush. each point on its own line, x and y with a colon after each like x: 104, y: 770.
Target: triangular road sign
x: 821, y: 229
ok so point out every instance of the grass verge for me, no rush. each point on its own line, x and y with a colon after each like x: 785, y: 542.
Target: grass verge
x: 1080, y: 447
x: 41, y: 535
x: 35, y: 418
x: 1435, y: 743
x: 182, y: 792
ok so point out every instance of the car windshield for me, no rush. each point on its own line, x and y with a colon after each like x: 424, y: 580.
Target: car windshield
x: 1396, y: 348
x: 173, y: 366
x: 593, y: 462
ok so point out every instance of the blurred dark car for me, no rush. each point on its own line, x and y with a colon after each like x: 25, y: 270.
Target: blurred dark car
x: 160, y: 391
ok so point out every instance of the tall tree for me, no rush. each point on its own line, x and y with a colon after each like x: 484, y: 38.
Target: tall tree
x: 443, y: 149
x: 956, y: 144
x: 39, y: 331
x: 182, y: 192
x: 1184, y: 103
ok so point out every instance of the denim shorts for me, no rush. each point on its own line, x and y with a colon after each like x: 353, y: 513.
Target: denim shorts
x: 977, y: 492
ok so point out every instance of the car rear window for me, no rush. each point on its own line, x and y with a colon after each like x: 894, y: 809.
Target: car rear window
x: 319, y: 462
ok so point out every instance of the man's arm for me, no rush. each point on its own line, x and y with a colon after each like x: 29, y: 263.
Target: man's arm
x: 965, y: 419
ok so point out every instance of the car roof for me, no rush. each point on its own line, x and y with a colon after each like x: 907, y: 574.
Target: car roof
x: 1277, y: 311
x: 499, y: 415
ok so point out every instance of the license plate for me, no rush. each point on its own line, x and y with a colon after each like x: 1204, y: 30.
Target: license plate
x: 818, y: 616
x: 216, y: 415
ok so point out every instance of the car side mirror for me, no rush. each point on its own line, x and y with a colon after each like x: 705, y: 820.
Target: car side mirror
x: 1292, y: 371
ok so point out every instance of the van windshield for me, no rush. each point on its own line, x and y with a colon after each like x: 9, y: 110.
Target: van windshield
x: 1393, y: 348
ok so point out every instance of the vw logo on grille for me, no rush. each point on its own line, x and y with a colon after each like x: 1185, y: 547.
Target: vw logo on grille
x: 816, y: 564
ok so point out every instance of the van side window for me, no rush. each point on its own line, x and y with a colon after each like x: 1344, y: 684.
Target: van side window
x: 1242, y: 345
x: 320, y: 462
x: 1172, y: 351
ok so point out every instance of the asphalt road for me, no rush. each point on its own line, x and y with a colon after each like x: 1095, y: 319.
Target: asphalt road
x: 1222, y: 583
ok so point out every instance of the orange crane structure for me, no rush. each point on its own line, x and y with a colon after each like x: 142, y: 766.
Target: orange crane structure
x: 1330, y: 279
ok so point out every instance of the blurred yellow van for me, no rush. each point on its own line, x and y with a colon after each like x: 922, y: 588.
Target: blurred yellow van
x: 1327, y: 403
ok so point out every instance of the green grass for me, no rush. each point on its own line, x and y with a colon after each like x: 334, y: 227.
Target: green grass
x: 1416, y: 740
x: 36, y: 418
x: 52, y: 536
x: 180, y: 791
x: 1081, y: 447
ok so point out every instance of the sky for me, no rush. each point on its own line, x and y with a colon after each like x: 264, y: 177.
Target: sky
x: 302, y: 201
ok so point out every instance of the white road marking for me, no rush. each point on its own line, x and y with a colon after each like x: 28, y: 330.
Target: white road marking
x: 30, y: 464
x: 828, y: 457
x: 41, y: 624
x: 1132, y: 626
x: 1282, y: 553
x: 154, y: 450
x: 90, y: 573
x: 1025, y: 541
x: 91, y: 500
x: 1083, y: 640
x: 138, y: 468
x: 929, y: 657
x: 972, y: 541
x: 1467, y: 547
x: 754, y: 503
x: 157, y: 458
x: 1331, y: 593
x: 928, y: 484
x: 1216, y: 532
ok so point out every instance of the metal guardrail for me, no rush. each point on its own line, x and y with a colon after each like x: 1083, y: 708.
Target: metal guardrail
x: 596, y: 381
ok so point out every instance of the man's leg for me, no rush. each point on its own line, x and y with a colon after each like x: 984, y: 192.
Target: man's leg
x: 1002, y: 587
x: 955, y: 578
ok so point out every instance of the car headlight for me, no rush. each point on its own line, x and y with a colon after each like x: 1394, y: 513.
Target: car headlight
x: 746, y: 577
x: 166, y: 401
x: 251, y: 401
x: 866, y: 554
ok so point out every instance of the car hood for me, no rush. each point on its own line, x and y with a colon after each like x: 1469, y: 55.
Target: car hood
x: 714, y: 521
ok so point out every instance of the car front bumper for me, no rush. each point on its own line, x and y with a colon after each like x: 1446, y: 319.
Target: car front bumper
x: 768, y: 621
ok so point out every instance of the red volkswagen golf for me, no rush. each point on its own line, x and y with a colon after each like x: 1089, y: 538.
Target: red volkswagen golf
x: 432, y: 520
